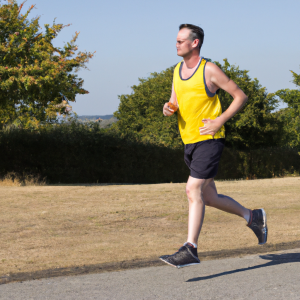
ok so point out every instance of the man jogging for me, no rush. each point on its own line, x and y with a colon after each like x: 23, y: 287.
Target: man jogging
x: 201, y: 125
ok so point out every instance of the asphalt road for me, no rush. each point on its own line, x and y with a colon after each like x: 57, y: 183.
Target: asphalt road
x: 270, y: 276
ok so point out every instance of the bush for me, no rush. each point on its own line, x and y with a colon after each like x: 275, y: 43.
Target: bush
x: 260, y: 163
x: 85, y: 153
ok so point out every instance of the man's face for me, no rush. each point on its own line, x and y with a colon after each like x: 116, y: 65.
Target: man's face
x: 184, y: 45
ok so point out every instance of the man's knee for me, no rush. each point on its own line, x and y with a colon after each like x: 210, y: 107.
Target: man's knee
x: 191, y: 192
x: 194, y: 189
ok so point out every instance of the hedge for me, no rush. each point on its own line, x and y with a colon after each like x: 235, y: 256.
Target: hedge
x: 82, y: 154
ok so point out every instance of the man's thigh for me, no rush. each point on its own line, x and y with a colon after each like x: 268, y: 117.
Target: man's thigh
x: 198, y: 184
x: 204, y: 157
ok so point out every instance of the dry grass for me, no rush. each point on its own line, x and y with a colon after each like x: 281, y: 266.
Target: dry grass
x: 46, y: 227
x: 13, y: 179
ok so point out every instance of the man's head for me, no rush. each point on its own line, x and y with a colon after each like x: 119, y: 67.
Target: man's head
x: 190, y: 38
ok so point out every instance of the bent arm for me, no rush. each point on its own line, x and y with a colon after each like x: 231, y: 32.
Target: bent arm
x: 167, y: 111
x: 173, y: 98
x: 217, y: 79
x: 220, y: 80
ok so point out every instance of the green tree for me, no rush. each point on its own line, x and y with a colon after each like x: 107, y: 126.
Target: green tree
x: 256, y: 125
x: 37, y: 80
x: 140, y: 113
x: 290, y: 116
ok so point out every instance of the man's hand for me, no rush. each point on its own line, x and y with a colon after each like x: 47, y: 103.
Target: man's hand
x: 211, y: 127
x: 167, y: 111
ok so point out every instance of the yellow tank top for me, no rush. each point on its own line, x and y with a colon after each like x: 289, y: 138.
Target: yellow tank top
x: 195, y: 103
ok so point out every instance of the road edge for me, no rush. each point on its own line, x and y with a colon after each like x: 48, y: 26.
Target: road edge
x: 135, y: 264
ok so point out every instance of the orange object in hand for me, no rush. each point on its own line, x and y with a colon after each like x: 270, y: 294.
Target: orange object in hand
x: 172, y: 106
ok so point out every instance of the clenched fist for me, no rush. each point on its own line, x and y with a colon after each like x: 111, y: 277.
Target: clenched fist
x: 169, y: 109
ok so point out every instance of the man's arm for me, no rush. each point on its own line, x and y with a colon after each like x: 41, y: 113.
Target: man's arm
x: 167, y: 111
x: 215, y: 78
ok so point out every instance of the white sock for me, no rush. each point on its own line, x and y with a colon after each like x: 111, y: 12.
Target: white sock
x: 195, y: 245
x: 247, y: 216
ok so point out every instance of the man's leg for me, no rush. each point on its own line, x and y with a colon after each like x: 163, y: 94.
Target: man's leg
x: 222, y: 202
x: 187, y: 255
x: 256, y: 219
x: 201, y: 192
x: 195, y: 191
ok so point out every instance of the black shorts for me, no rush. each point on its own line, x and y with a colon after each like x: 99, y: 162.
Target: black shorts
x: 203, y: 158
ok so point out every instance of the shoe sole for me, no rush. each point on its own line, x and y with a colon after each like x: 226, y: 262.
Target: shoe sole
x: 179, y: 266
x: 265, y: 226
x: 182, y: 266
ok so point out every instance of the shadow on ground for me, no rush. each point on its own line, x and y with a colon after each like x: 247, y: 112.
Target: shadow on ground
x: 275, y: 259
x: 154, y: 261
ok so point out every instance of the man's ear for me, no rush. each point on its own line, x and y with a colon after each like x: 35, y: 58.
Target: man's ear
x: 195, y: 43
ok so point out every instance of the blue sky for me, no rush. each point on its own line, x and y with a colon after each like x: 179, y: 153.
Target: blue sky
x: 135, y: 38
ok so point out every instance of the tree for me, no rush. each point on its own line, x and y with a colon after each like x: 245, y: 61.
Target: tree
x: 37, y: 80
x: 255, y: 126
x: 140, y: 113
x: 290, y: 116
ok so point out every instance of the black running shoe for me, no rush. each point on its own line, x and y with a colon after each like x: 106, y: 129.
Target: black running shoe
x: 258, y: 224
x: 184, y: 257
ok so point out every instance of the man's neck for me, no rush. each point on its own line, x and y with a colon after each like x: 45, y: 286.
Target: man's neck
x: 192, y: 60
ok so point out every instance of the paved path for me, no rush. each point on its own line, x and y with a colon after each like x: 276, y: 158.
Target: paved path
x: 270, y: 276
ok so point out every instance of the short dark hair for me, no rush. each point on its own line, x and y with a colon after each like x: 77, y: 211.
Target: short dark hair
x: 196, y: 33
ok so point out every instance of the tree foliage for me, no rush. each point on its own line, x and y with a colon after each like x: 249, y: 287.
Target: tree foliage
x: 37, y: 80
x: 140, y: 113
x: 290, y: 116
x: 256, y: 125
x: 84, y: 153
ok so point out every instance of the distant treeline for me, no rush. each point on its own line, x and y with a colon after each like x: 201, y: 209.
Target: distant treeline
x: 95, y: 117
x: 80, y: 153
x: 104, y: 121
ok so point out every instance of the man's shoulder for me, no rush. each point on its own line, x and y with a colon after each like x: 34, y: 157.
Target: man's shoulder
x: 206, y: 59
x: 178, y: 64
x: 211, y: 67
x: 177, y: 67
